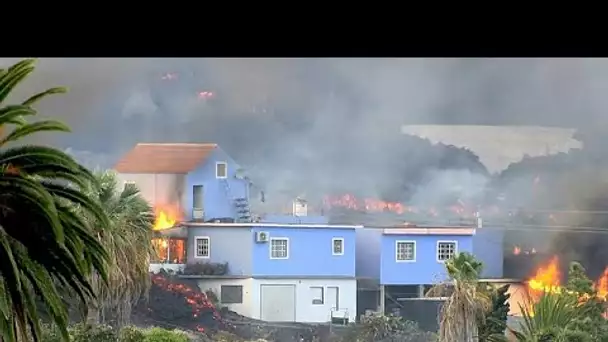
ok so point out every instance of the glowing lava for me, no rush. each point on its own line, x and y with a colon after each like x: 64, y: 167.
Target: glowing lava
x: 194, y: 298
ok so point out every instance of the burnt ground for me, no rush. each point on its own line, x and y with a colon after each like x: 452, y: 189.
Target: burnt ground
x: 175, y: 303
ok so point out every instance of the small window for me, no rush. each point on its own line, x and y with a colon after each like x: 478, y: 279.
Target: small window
x: 445, y: 250
x: 231, y: 294
x: 201, y: 247
x: 317, y: 295
x: 197, y: 197
x: 221, y: 170
x: 406, y: 250
x: 279, y: 248
x: 337, y: 246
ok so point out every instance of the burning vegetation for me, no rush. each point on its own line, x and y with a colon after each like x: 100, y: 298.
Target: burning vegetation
x: 548, y: 279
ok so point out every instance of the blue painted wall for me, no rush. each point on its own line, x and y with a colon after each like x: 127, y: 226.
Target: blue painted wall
x: 310, y: 253
x: 426, y: 269
x: 368, y: 252
x: 290, y: 219
x: 227, y: 244
x: 218, y: 198
x: 488, y: 247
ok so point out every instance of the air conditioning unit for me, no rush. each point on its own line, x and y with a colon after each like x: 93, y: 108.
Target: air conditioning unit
x: 198, y: 214
x: 261, y: 237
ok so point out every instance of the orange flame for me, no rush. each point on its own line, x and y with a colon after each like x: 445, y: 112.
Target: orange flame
x: 166, y: 217
x: 350, y: 201
x: 602, y: 284
x: 547, y: 280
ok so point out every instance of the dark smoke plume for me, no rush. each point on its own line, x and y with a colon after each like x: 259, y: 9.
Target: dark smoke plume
x: 315, y: 126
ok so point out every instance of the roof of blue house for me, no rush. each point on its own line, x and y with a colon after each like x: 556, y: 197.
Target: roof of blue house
x: 164, y: 158
x: 270, y: 225
x: 413, y: 230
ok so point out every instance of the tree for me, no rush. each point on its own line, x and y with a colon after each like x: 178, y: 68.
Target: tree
x: 571, y: 315
x: 495, y: 321
x: 591, y: 307
x: 550, y: 319
x: 128, y: 242
x: 467, y: 302
x: 43, y: 242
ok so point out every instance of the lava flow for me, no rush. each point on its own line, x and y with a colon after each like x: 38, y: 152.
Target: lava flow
x: 196, y: 300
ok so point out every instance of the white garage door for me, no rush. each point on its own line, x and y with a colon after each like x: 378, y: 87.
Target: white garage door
x: 278, y: 303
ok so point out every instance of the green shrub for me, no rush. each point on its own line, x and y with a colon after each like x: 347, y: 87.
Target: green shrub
x: 50, y: 333
x: 163, y: 335
x: 131, y: 334
x: 92, y: 333
x: 387, y: 328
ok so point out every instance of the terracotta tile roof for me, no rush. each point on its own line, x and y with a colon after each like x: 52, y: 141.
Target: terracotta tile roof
x: 164, y: 158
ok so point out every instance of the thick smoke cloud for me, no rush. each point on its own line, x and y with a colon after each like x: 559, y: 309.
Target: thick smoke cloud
x: 312, y: 126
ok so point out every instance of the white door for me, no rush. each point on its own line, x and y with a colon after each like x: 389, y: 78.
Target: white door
x: 278, y: 303
x: 333, y: 297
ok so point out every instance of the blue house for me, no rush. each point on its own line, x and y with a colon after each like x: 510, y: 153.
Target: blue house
x: 407, y: 261
x: 296, y: 268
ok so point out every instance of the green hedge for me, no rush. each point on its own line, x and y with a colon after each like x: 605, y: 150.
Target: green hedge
x: 104, y: 333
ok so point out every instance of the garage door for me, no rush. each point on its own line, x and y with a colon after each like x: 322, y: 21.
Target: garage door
x: 278, y: 303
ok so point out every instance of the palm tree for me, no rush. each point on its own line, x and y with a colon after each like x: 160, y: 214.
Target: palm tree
x: 128, y: 242
x: 548, y: 319
x: 43, y: 242
x: 467, y: 301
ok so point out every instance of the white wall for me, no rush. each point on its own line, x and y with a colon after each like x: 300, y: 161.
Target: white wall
x: 162, y: 189
x: 215, y: 285
x: 306, y: 312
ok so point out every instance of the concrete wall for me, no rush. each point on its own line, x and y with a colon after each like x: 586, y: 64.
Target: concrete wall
x: 488, y: 248
x: 159, y: 189
x: 310, y: 252
x: 368, y: 241
x: 226, y: 244
x: 305, y: 310
x: 425, y: 269
x: 245, y: 308
x: 219, y: 194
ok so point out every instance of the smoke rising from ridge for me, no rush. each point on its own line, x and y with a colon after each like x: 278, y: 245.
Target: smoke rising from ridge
x: 307, y: 126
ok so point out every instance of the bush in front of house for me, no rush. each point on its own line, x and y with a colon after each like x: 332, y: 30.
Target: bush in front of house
x: 387, y: 328
x: 105, y: 333
x: 131, y: 334
x: 164, y: 335
x: 206, y: 268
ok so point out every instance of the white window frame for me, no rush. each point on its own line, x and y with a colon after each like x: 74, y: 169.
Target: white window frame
x: 445, y: 241
x: 333, y: 241
x: 397, y: 250
x: 196, y: 239
x: 216, y: 174
x: 270, y: 247
x: 312, y: 301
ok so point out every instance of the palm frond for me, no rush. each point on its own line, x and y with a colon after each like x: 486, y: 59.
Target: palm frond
x: 45, y: 240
